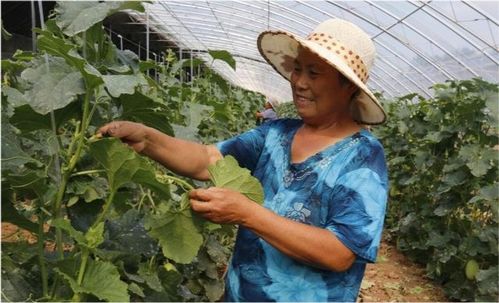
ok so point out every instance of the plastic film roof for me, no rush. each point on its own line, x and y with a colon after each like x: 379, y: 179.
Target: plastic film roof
x: 418, y: 43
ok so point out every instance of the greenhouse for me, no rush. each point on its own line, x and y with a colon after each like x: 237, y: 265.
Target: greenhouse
x: 213, y: 150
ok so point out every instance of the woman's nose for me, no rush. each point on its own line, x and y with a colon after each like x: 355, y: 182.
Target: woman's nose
x: 301, y: 81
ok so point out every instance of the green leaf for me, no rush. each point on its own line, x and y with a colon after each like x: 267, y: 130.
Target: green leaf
x: 224, y: 56
x: 150, y: 276
x: 487, y: 283
x: 74, y: 17
x: 140, y: 108
x: 134, y: 288
x: 14, y: 97
x: 66, y: 225
x: 95, y: 236
x: 128, y: 235
x: 227, y: 173
x: 179, y: 237
x: 28, y: 120
x: 477, y: 158
x: 214, y: 289
x: 122, y: 84
x: 61, y: 48
x: 55, y: 85
x: 123, y: 165
x: 101, y: 279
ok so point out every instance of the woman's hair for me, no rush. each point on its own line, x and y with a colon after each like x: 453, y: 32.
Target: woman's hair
x: 344, y: 81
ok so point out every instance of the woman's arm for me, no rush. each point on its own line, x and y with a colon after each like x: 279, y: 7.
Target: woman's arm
x: 309, y: 244
x: 183, y: 157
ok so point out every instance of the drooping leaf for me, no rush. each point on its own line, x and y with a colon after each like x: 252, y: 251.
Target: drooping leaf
x: 55, y: 85
x: 178, y: 235
x: 101, y: 279
x: 76, y: 17
x: 61, y: 48
x: 227, y: 173
x: 224, y: 56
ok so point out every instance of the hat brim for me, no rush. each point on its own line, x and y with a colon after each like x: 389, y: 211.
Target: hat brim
x: 280, y: 48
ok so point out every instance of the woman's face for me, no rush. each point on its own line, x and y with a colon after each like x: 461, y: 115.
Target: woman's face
x: 317, y: 92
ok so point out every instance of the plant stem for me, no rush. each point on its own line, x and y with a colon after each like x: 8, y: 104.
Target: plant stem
x: 83, y: 265
x: 179, y: 181
x: 88, y: 172
x: 41, y: 253
x: 73, y: 159
x: 105, y: 209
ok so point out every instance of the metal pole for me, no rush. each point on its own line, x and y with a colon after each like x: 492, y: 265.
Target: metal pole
x: 33, y: 25
x: 192, y: 68
x: 121, y: 41
x: 147, y: 35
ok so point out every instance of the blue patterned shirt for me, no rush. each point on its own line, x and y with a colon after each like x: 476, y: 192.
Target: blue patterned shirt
x: 342, y: 188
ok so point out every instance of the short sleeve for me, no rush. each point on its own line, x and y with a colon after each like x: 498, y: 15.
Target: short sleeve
x: 358, y: 202
x: 246, y: 147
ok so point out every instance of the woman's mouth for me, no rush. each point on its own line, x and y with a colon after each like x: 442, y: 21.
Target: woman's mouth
x: 302, y: 101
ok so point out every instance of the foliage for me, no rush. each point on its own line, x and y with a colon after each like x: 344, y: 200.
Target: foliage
x: 443, y: 163
x: 121, y: 225
x: 286, y: 110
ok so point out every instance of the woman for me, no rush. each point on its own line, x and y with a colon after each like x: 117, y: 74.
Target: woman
x: 324, y: 176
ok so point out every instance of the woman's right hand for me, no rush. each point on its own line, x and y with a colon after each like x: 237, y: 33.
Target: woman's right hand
x: 132, y: 133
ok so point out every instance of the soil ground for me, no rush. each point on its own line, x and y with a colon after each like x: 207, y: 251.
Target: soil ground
x: 394, y: 278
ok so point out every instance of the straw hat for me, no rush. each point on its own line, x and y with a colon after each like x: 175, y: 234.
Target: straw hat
x: 341, y: 44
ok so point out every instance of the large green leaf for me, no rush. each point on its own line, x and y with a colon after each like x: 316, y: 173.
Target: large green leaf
x: 177, y: 233
x: 123, y: 165
x: 62, y: 48
x: 28, y: 120
x: 123, y: 84
x: 140, y: 108
x: 227, y: 173
x: 101, y: 279
x: 55, y: 85
x: 74, y: 17
x: 478, y: 159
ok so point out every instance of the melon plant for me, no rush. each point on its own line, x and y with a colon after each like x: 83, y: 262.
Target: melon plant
x: 109, y: 224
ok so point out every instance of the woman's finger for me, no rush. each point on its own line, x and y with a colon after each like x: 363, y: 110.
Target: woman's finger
x: 200, y: 206
x: 201, y: 194
x: 111, y: 129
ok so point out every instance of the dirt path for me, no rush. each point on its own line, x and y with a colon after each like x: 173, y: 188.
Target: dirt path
x: 394, y: 278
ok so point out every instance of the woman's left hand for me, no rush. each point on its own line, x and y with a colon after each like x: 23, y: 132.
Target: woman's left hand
x: 221, y: 205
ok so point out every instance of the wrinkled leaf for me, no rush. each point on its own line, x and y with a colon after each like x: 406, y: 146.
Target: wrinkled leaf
x: 178, y: 235
x: 123, y: 165
x: 101, y: 279
x: 227, y: 173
